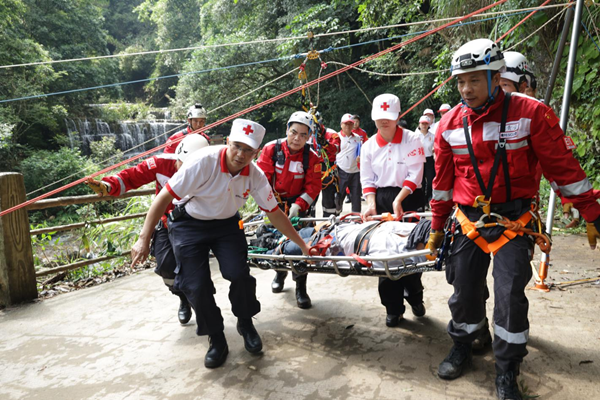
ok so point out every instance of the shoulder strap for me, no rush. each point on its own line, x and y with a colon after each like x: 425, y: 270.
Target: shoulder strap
x: 500, y: 155
x: 502, y: 145
x: 305, y: 158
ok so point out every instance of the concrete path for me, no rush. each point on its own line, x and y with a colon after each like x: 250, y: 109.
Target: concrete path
x: 121, y: 340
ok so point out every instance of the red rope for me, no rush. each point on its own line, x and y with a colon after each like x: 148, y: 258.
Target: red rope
x: 262, y: 104
x: 447, y: 80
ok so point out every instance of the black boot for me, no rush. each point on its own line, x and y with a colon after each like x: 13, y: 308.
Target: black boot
x: 507, y: 387
x: 453, y: 365
x: 252, y: 341
x: 185, y: 310
x: 302, y: 298
x: 278, y: 282
x: 217, y: 351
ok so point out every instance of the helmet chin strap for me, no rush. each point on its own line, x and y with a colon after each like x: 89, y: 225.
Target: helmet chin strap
x: 491, y: 96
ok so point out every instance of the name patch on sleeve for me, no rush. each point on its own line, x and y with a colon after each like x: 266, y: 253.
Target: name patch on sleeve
x: 151, y: 163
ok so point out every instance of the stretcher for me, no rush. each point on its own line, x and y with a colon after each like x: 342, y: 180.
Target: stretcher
x: 392, y: 266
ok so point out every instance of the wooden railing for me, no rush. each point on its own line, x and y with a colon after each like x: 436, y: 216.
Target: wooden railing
x: 17, y: 270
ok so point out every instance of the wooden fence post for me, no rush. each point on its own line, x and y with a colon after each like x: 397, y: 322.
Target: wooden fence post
x: 17, y: 272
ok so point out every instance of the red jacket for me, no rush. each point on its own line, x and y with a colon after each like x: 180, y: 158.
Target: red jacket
x: 333, y: 146
x: 362, y: 133
x: 158, y: 168
x: 176, y: 138
x: 533, y: 134
x: 290, y: 178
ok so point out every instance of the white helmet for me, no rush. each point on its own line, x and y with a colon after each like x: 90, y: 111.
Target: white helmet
x: 477, y: 55
x: 190, y: 144
x: 303, y: 118
x: 517, y: 68
x: 196, y: 111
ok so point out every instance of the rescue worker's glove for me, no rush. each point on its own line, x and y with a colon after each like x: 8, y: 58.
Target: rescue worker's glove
x: 567, y: 207
x: 101, y: 188
x: 593, y: 233
x: 435, y: 241
x: 294, y: 210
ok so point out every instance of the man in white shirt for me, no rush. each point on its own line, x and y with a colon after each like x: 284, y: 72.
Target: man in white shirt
x: 347, y: 160
x: 209, y: 189
x: 444, y: 108
x: 427, y: 138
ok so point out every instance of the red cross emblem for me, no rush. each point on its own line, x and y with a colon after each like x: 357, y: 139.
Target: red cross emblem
x: 385, y: 106
x: 248, y: 130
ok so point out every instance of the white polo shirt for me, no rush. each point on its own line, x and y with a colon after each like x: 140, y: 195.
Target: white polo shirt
x: 214, y: 192
x: 395, y: 164
x: 427, y: 141
x: 349, y: 151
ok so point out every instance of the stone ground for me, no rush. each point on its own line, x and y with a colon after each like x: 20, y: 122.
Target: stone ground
x: 121, y: 340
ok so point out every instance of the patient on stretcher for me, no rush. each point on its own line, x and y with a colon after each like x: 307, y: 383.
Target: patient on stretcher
x: 373, y: 238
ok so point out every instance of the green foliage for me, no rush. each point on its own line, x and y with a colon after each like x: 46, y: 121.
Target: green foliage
x: 43, y: 167
x: 115, y: 112
x: 105, y: 149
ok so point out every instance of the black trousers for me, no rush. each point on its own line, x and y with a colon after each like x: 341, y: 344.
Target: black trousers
x: 328, y: 200
x: 392, y: 293
x: 192, y: 239
x: 165, y: 257
x: 428, y: 175
x: 466, y: 270
x: 351, y: 181
x: 302, y: 214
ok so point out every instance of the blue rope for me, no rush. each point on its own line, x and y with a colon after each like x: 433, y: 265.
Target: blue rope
x: 590, y: 35
x: 144, y: 80
x: 295, y: 56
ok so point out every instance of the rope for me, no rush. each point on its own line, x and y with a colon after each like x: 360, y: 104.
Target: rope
x: 161, y: 135
x: 537, y: 30
x: 590, y: 35
x: 541, y: 239
x: 382, y: 74
x: 261, y: 41
x: 37, y: 96
x: 230, y: 66
x: 498, y: 40
x: 521, y: 22
x: 262, y: 104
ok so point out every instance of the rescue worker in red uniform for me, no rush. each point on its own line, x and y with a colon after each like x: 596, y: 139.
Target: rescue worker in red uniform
x: 486, y: 156
x: 294, y: 170
x: 330, y: 182
x: 196, y: 117
x: 159, y: 169
x: 358, y: 130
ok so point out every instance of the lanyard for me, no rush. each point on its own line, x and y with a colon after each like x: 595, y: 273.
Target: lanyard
x: 500, y: 154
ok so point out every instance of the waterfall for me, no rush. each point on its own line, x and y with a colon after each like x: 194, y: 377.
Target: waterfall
x: 128, y: 134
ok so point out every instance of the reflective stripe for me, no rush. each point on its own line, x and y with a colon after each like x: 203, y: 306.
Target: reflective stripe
x: 169, y: 282
x: 299, y: 176
x: 575, y: 189
x: 123, y: 190
x: 469, y: 328
x: 460, y: 151
x: 554, y: 186
x: 509, y: 337
x: 309, y: 200
x: 330, y: 210
x: 515, y: 145
x: 442, y: 195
